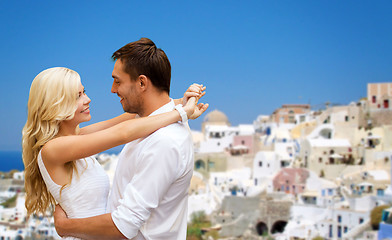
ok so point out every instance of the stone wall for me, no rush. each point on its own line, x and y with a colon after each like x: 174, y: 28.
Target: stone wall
x: 238, y: 215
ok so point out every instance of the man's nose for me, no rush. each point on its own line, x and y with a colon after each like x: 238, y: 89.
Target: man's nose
x: 113, y: 90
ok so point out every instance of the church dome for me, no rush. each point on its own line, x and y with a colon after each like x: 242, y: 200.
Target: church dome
x: 216, y: 117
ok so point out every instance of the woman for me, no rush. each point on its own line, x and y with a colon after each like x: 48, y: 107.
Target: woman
x: 57, y: 105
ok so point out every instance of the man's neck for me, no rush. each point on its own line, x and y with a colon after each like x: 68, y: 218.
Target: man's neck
x: 152, y: 103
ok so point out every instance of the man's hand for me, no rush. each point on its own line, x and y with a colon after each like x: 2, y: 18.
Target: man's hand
x: 59, y: 218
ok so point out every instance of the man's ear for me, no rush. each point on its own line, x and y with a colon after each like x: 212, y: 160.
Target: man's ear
x: 144, y: 82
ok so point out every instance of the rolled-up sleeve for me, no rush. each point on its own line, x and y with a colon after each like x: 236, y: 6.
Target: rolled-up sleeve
x: 157, y: 167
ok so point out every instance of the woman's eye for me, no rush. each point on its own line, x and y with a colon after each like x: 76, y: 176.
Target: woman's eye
x: 82, y: 93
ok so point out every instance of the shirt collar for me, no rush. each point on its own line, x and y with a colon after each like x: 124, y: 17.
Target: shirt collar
x: 165, y: 108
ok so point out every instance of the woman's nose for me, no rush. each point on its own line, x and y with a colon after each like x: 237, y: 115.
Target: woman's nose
x: 87, y: 100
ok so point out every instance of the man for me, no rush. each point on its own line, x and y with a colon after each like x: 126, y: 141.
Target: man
x: 149, y: 195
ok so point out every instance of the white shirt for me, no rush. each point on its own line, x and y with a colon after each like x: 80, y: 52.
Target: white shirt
x: 149, y: 197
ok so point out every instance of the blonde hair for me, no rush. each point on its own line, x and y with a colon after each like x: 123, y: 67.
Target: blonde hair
x: 52, y: 99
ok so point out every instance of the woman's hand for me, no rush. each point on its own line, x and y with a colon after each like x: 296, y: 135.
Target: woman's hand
x: 194, y: 110
x: 195, y: 90
x: 190, y: 101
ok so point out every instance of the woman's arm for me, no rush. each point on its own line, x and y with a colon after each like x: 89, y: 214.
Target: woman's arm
x: 106, y: 124
x: 68, y: 148
x: 193, y: 91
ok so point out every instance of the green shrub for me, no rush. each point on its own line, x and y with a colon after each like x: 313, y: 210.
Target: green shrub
x: 376, y: 215
x: 318, y: 238
x: 193, y: 232
x: 11, y: 202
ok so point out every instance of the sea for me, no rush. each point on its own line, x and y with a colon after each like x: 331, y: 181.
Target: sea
x: 11, y: 160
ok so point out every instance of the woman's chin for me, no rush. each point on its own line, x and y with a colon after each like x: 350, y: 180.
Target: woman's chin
x: 87, y: 118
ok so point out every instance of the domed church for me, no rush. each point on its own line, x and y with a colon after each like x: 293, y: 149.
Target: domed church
x: 216, y: 118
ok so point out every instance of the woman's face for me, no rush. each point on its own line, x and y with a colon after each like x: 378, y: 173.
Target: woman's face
x: 82, y: 113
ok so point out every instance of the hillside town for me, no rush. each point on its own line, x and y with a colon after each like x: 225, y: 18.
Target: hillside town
x: 298, y: 173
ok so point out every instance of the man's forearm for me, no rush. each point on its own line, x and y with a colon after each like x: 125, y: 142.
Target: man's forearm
x: 98, y: 227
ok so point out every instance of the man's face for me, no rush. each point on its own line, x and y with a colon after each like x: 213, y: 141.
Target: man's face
x: 126, y: 88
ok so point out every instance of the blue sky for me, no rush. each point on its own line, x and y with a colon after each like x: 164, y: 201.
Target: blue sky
x: 253, y: 56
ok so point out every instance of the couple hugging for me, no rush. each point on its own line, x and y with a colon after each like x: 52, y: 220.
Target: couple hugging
x: 149, y: 196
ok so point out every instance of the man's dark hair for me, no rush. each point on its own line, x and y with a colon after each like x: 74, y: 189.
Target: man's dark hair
x: 142, y: 57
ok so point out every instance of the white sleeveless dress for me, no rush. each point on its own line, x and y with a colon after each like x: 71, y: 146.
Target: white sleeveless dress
x: 87, y: 194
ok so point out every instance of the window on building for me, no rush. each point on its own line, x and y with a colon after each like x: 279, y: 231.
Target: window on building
x: 339, y: 218
x: 260, y: 164
x: 218, y: 144
x: 386, y: 103
x: 330, y: 192
x: 283, y: 164
x: 360, y: 220
x: 339, y: 231
x: 291, y: 119
x: 320, y: 160
x: 199, y: 164
x: 345, y: 229
x: 243, y: 142
x: 346, y: 118
x: 211, y: 165
x: 374, y: 99
x: 380, y: 192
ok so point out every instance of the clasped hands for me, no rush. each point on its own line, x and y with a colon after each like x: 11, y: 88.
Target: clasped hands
x: 190, y: 101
